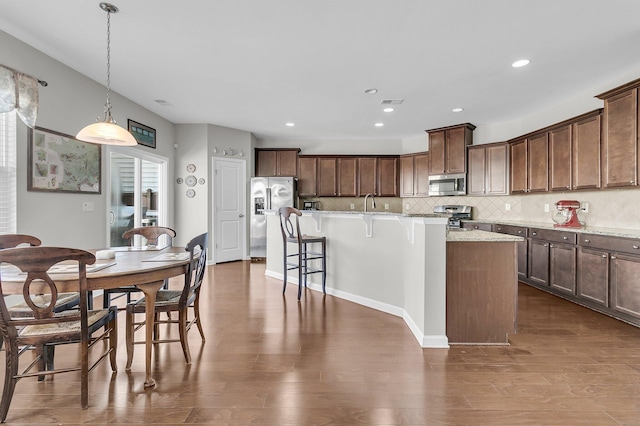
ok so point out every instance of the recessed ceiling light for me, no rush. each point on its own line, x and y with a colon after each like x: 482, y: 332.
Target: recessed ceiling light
x: 379, y: 124
x: 520, y: 63
x: 371, y: 91
x: 388, y: 109
x: 457, y: 110
x: 290, y: 124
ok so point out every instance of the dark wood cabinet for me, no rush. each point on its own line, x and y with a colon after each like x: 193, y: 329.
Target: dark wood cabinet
x: 347, y: 177
x: 625, y: 284
x: 538, y: 163
x: 367, y: 175
x: 277, y: 162
x: 477, y: 225
x: 518, y: 155
x: 539, y: 262
x: 522, y: 246
x: 620, y: 136
x: 487, y: 169
x: 388, y: 177
x: 560, y: 159
x: 562, y: 267
x: 327, y: 183
x: 587, y: 136
x: 414, y: 175
x: 593, y: 276
x: 308, y: 176
x: 447, y: 148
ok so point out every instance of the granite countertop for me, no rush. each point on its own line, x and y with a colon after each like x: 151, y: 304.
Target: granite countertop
x: 477, y: 235
x: 613, y: 232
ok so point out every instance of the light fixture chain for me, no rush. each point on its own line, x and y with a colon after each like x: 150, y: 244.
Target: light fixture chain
x: 108, y: 104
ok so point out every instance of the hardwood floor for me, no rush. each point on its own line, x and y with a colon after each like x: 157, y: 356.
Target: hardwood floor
x: 270, y: 360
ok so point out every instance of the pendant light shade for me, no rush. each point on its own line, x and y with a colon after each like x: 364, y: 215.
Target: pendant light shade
x: 107, y: 132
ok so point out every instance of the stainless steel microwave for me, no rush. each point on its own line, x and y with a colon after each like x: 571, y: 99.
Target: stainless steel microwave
x: 453, y: 184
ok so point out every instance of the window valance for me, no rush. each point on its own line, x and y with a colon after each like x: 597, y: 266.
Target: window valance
x: 20, y: 92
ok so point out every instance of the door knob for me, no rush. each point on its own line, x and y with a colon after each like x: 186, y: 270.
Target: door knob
x: 240, y: 215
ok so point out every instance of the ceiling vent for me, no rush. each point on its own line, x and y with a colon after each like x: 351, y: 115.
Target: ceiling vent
x: 392, y: 101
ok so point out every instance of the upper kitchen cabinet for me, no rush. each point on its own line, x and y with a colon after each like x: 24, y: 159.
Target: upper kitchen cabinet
x: 488, y: 167
x: 620, y: 136
x: 308, y: 176
x: 587, y: 136
x: 327, y: 184
x: 414, y: 175
x: 277, y: 162
x: 530, y: 164
x: 560, y: 160
x: 347, y: 177
x: 538, y: 162
x: 378, y: 176
x: 447, y: 148
x: 518, y: 161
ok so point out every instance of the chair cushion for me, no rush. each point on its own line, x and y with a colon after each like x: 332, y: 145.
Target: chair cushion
x: 23, y: 310
x: 63, y: 327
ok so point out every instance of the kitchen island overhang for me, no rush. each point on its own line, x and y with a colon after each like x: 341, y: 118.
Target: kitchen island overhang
x: 390, y: 262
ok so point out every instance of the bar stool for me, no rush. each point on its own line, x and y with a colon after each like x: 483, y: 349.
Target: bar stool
x: 291, y: 234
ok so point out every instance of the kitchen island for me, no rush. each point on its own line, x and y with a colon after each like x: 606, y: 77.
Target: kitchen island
x: 393, y: 263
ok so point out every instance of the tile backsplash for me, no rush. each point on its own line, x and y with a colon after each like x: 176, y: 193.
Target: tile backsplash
x: 619, y: 208
x: 610, y: 208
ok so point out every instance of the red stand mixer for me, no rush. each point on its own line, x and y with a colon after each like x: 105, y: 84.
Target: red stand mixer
x: 567, y: 214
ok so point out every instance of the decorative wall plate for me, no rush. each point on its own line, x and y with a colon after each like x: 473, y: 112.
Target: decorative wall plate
x: 191, y: 168
x: 191, y: 180
x: 191, y: 193
x: 201, y: 181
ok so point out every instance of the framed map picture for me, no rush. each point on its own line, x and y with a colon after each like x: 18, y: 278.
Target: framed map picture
x: 145, y: 135
x: 61, y: 163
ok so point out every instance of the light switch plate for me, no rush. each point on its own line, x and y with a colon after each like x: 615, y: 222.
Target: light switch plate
x: 507, y: 207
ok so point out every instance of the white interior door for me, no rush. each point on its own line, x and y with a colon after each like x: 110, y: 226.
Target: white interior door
x: 229, y: 210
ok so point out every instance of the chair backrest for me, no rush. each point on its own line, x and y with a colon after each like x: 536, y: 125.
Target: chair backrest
x: 289, y: 230
x: 197, y: 249
x: 151, y: 233
x: 14, y: 240
x: 35, y: 262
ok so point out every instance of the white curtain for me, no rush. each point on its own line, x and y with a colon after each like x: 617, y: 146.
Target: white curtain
x: 20, y: 92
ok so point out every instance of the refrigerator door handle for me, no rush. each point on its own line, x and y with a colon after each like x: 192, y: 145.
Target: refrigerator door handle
x: 269, y: 198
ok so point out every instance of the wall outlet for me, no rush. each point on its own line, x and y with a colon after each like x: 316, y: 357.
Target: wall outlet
x: 87, y: 206
x: 507, y: 207
x: 546, y: 208
x: 585, y: 207
x: 353, y: 206
x: 386, y: 206
x: 406, y: 206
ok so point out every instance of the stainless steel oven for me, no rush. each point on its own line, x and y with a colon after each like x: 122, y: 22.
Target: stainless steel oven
x: 453, y: 184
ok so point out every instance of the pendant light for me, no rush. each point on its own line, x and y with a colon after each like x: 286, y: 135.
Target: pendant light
x: 107, y: 132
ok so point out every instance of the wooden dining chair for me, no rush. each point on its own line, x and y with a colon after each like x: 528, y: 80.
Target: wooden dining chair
x: 301, y: 259
x: 174, y: 301
x: 151, y: 234
x: 65, y: 300
x: 45, y: 328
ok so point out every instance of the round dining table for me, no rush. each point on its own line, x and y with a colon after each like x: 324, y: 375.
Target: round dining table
x: 145, y: 268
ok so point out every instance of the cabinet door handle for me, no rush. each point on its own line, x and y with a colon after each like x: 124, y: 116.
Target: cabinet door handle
x: 613, y: 257
x: 587, y: 241
x: 533, y: 233
x: 545, y: 245
x: 565, y: 238
x: 550, y: 245
x: 635, y: 247
x: 604, y: 255
x: 520, y: 232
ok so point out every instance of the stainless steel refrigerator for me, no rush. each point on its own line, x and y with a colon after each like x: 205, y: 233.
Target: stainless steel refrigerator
x: 268, y: 193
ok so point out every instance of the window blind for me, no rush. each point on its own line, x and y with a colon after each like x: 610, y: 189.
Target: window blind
x: 8, y: 180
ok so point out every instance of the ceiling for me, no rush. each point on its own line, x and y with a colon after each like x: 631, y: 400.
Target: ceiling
x: 256, y: 65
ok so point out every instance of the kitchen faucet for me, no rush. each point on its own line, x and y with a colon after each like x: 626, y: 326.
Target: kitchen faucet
x: 373, y: 202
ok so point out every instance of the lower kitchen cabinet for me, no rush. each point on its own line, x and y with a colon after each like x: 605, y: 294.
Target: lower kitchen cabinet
x: 539, y: 262
x: 593, y: 276
x: 522, y: 246
x: 562, y: 267
x: 625, y: 284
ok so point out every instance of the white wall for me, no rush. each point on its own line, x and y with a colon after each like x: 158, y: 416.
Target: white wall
x: 67, y: 104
